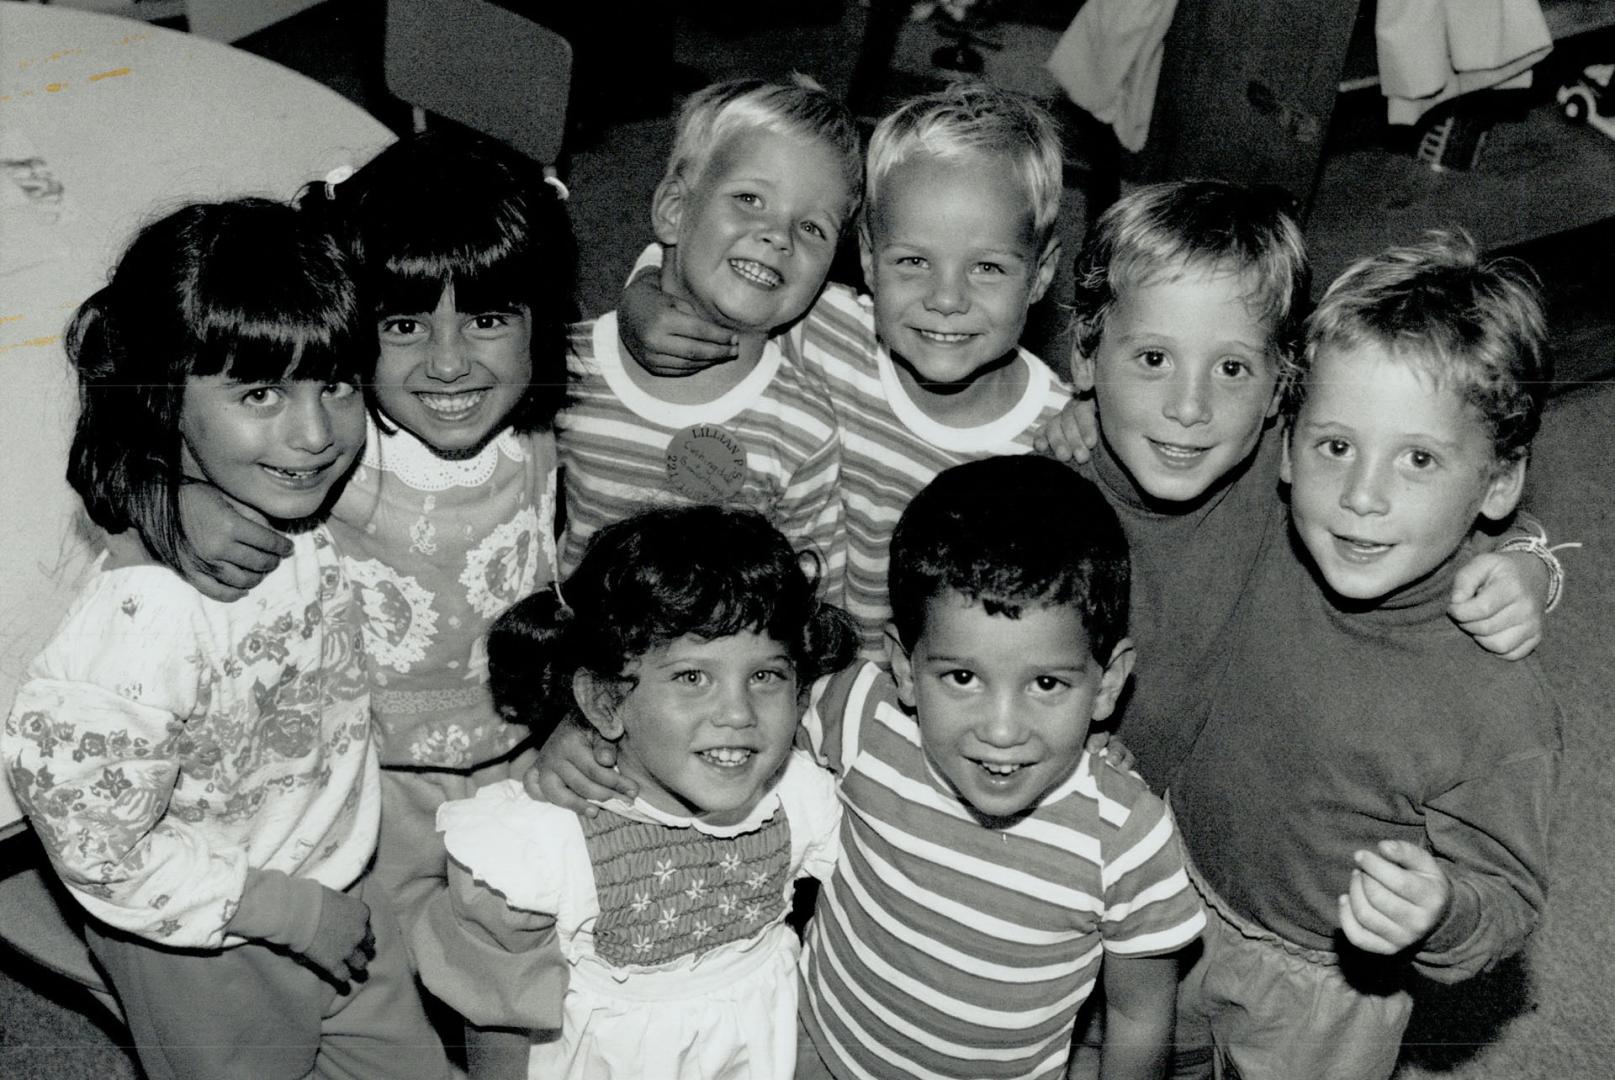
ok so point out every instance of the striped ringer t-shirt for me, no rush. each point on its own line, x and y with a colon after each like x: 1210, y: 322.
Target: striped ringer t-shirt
x: 943, y: 948
x: 769, y: 444
x: 890, y: 449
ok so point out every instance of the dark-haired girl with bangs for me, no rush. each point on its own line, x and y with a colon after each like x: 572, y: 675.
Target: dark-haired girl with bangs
x: 464, y: 261
x: 202, y: 775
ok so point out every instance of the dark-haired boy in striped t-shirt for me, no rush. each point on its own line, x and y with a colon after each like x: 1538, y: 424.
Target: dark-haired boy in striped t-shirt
x: 992, y: 870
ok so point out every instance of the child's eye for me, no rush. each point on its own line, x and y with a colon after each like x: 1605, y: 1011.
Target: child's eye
x: 400, y: 326
x: 989, y: 268
x: 1233, y: 369
x: 911, y: 262
x: 770, y: 676
x: 1335, y: 448
x: 690, y: 677
x: 959, y: 677
x: 1421, y: 459
x: 261, y: 396
x: 1152, y: 358
x: 813, y: 228
x: 490, y: 320
x: 1048, y: 683
x: 339, y: 390
x: 747, y: 198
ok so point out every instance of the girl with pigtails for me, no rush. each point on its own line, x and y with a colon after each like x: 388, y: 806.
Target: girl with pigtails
x: 684, y: 638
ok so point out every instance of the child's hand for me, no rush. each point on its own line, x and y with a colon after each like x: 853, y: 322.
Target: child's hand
x: 343, y: 943
x: 665, y: 334
x: 1072, y: 434
x: 232, y: 553
x: 1398, y: 894
x: 328, y: 929
x: 574, y: 767
x: 1498, y: 599
x: 1102, y: 743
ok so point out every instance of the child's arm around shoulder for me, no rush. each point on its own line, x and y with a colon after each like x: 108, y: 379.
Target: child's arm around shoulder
x: 664, y: 333
x: 230, y: 553
x: 1500, y: 597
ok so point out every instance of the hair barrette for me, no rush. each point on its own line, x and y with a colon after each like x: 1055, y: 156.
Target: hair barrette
x: 335, y: 177
x: 554, y: 181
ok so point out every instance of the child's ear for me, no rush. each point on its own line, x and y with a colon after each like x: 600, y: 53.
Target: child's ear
x: 1082, y: 371
x: 1503, y: 493
x: 1047, y: 264
x: 667, y: 209
x: 866, y: 251
x: 1278, y: 398
x: 597, y: 698
x: 1117, y: 671
x: 902, y: 667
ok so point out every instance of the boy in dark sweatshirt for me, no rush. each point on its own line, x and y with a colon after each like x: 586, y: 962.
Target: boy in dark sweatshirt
x: 1369, y: 795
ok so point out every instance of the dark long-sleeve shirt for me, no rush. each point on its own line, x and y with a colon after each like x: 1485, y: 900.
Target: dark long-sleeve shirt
x: 1330, y: 729
x: 1191, y: 565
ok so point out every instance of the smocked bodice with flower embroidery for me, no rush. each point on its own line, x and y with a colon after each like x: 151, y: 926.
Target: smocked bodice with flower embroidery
x: 438, y: 548
x: 680, y: 962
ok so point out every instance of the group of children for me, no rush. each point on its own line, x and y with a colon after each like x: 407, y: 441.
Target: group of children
x: 756, y: 579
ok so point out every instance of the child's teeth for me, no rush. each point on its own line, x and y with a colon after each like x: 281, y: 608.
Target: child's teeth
x: 727, y: 755
x: 756, y: 271
x: 452, y: 404
x: 999, y: 770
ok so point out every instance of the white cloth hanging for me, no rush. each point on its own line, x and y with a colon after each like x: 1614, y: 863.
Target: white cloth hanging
x: 1433, y: 50
x: 1109, y: 62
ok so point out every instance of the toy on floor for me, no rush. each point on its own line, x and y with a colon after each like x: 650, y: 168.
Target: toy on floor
x: 1588, y: 99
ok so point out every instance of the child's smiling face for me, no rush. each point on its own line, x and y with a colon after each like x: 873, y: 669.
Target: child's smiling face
x: 452, y: 378
x: 954, y: 266
x: 706, y: 725
x: 1388, y: 471
x: 754, y: 234
x: 277, y: 447
x: 1184, y: 380
x: 1004, y: 704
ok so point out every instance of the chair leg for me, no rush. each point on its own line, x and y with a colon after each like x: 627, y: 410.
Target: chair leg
x: 419, y: 115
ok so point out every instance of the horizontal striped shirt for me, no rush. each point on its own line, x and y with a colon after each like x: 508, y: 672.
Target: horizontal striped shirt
x: 769, y: 444
x: 944, y: 948
x: 890, y: 448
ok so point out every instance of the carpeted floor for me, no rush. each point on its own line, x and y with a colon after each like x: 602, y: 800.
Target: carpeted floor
x: 1547, y: 1014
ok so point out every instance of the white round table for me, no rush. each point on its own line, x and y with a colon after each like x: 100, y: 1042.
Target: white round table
x: 106, y: 123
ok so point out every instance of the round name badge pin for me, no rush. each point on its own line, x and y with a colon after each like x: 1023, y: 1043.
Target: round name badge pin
x: 706, y: 464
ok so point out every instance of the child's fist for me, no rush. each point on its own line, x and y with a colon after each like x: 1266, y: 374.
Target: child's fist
x: 1398, y: 895
x: 1498, y: 598
x: 343, y: 944
x: 228, y: 553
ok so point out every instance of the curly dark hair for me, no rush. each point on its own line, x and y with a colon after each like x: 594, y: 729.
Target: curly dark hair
x: 704, y: 571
